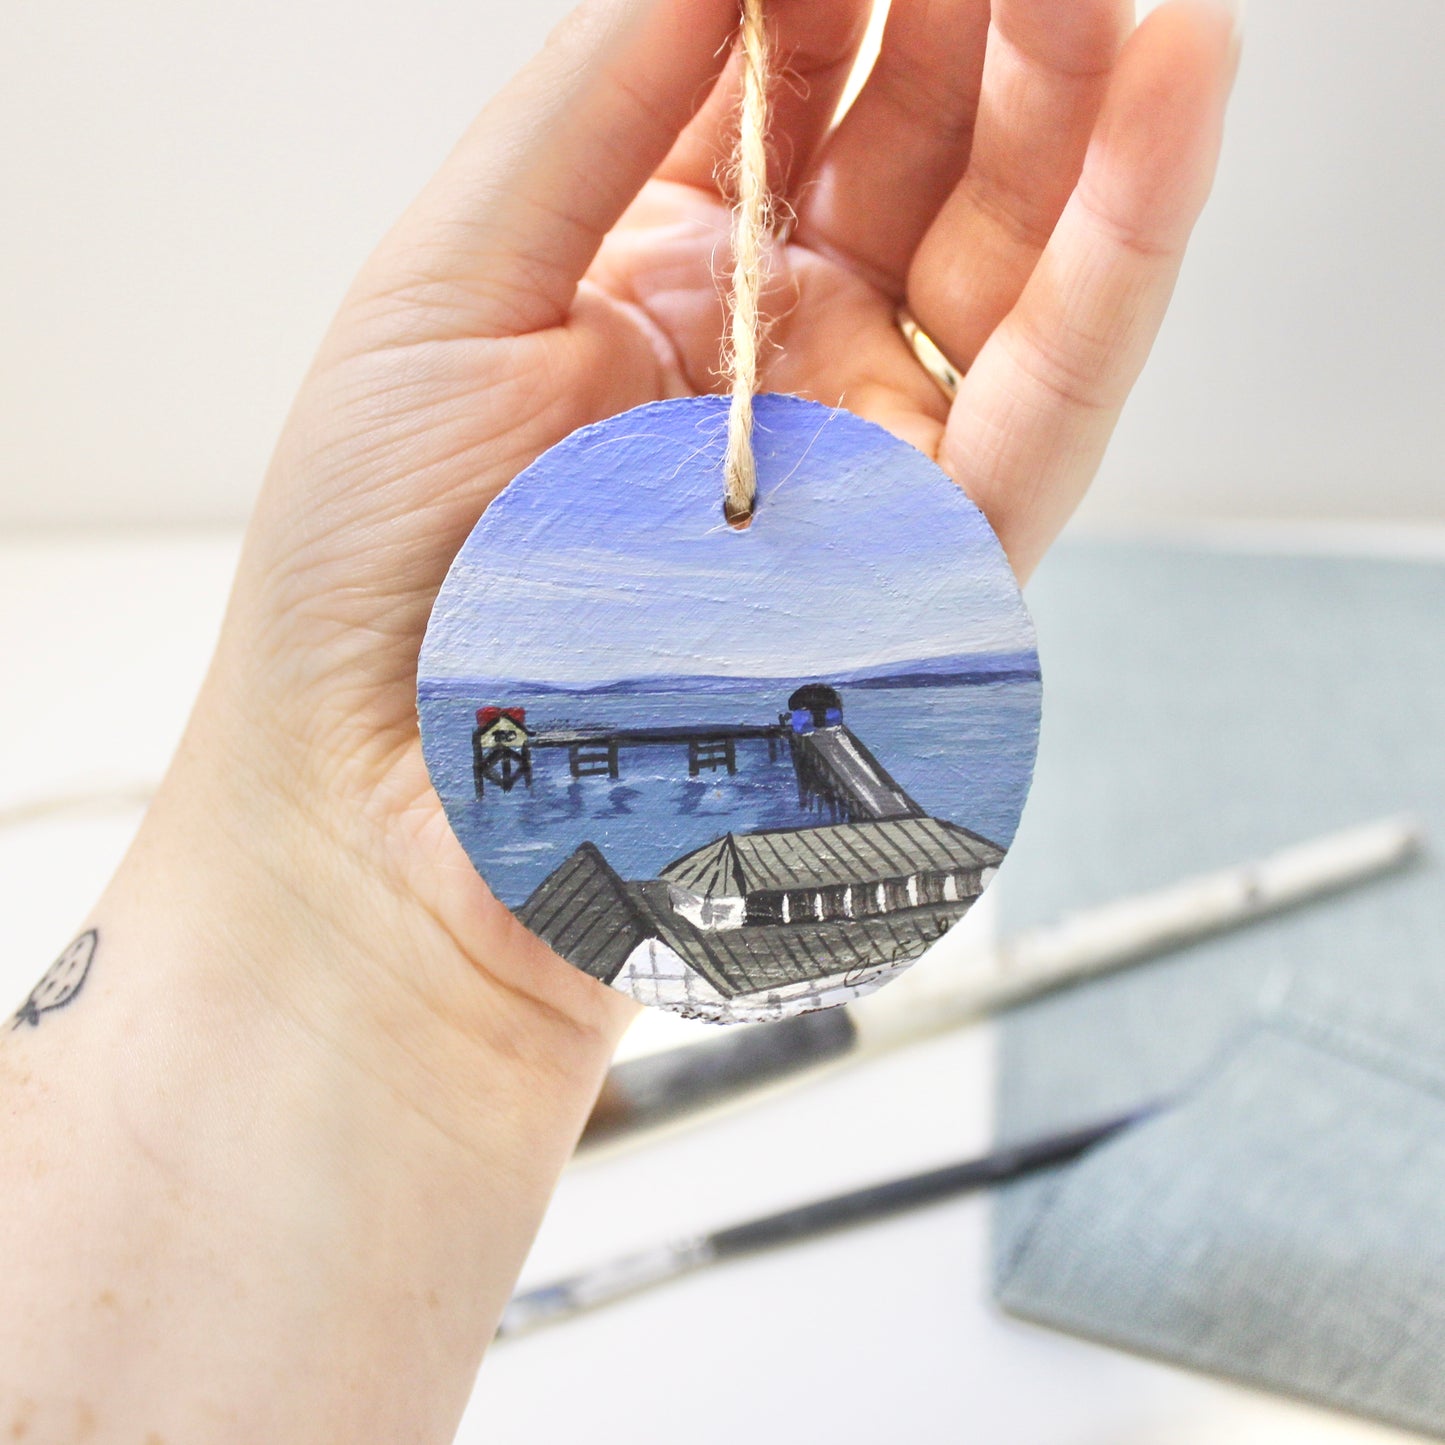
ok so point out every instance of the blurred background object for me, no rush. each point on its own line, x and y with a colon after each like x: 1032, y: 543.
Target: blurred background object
x: 189, y: 189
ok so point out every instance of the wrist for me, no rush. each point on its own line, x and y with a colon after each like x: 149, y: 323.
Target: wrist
x: 290, y: 907
x: 192, y: 1153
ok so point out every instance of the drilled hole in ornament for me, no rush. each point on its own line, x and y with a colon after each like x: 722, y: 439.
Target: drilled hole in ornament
x: 740, y: 519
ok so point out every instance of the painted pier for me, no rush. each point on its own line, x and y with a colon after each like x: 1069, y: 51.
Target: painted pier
x: 836, y: 772
x: 596, y: 752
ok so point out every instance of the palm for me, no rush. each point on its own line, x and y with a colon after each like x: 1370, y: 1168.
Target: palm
x: 832, y: 335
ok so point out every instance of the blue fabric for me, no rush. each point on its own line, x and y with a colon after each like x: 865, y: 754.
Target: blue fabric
x: 1285, y: 1223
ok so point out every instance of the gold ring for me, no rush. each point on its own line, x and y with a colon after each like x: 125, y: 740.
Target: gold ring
x: 929, y: 355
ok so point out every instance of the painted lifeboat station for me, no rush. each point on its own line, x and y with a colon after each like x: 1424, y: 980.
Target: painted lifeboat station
x: 776, y: 916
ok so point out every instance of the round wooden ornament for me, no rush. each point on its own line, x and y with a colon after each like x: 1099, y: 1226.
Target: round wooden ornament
x: 736, y: 773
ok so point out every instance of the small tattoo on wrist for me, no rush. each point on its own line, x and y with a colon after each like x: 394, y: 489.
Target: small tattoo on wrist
x: 62, y: 981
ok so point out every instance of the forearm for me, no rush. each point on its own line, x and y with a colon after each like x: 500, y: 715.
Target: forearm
x: 262, y: 1183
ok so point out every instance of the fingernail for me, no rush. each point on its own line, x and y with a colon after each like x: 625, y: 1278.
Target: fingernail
x: 1233, y: 8
x: 1236, y: 16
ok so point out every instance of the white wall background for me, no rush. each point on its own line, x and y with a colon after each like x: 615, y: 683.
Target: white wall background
x: 187, y: 189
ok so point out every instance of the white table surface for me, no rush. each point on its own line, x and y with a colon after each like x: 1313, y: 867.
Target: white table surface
x: 883, y: 1333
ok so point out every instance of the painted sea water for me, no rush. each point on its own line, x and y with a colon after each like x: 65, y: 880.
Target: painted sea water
x: 962, y: 751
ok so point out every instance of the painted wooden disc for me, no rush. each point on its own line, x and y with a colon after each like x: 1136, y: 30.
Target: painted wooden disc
x: 738, y: 774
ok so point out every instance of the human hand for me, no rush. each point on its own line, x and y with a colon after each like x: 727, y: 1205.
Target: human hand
x: 1027, y: 190
x: 355, y: 1074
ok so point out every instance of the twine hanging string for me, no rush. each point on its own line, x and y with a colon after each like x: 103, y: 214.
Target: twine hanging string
x: 751, y: 228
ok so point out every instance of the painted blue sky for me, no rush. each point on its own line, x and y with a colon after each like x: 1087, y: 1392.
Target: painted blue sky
x: 609, y: 559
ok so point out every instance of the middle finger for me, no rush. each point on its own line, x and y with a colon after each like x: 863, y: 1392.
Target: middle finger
x: 1045, y: 73
x: 900, y: 150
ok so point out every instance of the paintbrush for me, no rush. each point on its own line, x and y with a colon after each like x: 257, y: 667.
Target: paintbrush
x: 674, y: 1084
x: 561, y: 1300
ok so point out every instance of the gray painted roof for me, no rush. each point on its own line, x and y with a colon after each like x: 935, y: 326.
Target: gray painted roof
x: 584, y: 912
x: 738, y: 864
x: 593, y: 919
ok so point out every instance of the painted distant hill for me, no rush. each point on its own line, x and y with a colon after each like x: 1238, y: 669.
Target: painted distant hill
x: 957, y: 670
